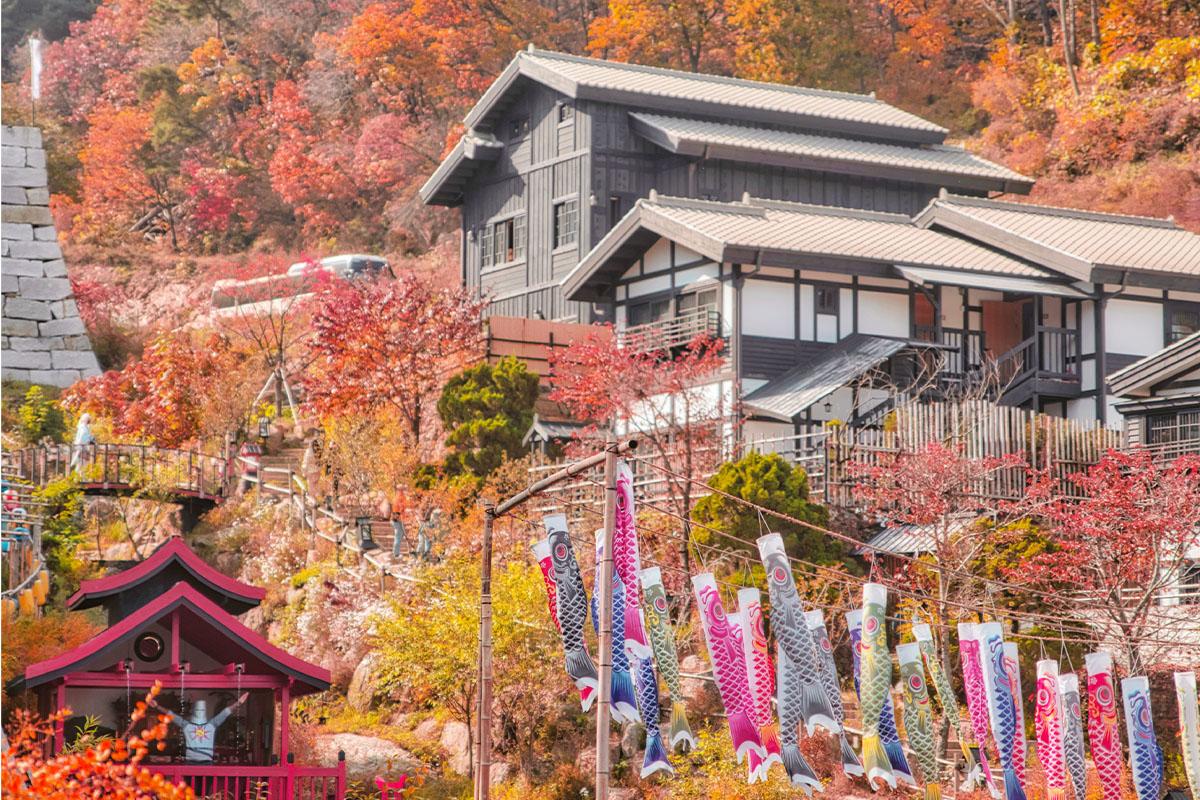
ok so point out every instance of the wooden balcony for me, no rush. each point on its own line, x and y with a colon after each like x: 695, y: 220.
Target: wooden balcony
x: 962, y: 351
x: 1046, y: 364
x: 276, y: 782
x: 666, y: 334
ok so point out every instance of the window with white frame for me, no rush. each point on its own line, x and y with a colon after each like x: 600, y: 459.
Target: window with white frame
x: 566, y: 223
x: 503, y: 242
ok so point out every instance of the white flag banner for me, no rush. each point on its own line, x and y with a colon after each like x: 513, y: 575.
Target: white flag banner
x: 35, y: 68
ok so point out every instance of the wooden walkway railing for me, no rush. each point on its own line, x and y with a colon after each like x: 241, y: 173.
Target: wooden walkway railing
x: 127, y: 467
x: 835, y: 455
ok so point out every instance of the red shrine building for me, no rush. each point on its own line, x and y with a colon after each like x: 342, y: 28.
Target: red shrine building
x: 173, y: 619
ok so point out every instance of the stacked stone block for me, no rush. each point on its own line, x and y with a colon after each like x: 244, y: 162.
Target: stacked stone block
x: 44, y: 339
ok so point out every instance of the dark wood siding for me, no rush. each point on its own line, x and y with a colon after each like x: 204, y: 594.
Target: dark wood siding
x: 597, y: 157
x: 765, y: 357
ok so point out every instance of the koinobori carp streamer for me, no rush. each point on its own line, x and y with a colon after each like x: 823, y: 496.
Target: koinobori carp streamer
x: 761, y: 676
x: 792, y: 633
x: 1145, y: 756
x: 887, y: 717
x: 815, y: 619
x: 918, y: 717
x: 655, y: 759
x: 949, y: 702
x: 1001, y: 703
x: 571, y: 607
x: 624, y: 695
x: 1048, y: 725
x: 1073, y: 752
x: 1104, y: 729
x: 627, y: 563
x: 662, y: 639
x: 1189, y: 728
x: 541, y: 552
x: 977, y: 702
x: 729, y: 666
x: 875, y: 684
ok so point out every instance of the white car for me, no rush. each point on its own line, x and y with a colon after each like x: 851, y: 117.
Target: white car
x: 344, y: 266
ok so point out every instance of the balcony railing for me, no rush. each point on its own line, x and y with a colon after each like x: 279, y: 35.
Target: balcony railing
x: 277, y: 782
x: 1051, y: 353
x: 668, y: 333
x: 963, y: 349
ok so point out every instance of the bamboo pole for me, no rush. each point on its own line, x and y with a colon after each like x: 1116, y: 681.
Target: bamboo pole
x: 483, y: 723
x: 483, y: 736
x: 605, y: 594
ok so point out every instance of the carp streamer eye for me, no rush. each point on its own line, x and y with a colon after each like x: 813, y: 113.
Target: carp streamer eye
x: 826, y: 646
x: 660, y: 603
x: 560, y: 551
x: 871, y: 625
x: 1104, y: 695
x: 779, y: 575
x: 915, y: 683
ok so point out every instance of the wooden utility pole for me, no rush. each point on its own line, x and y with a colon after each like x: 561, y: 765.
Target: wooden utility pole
x: 604, y: 596
x: 483, y: 733
x: 483, y: 725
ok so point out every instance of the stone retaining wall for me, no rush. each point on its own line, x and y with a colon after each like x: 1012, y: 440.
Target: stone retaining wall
x: 44, y: 340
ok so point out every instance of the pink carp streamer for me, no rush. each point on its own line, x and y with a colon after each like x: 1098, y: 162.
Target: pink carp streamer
x: 1048, y: 723
x: 729, y: 667
x: 977, y: 702
x: 761, y: 675
x: 627, y: 563
x: 1104, y: 729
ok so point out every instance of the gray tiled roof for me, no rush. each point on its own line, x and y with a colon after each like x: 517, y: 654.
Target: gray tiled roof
x: 1138, y: 378
x: 1075, y: 242
x: 794, y: 391
x: 615, y: 76
x: 693, y: 136
x: 733, y: 231
x: 908, y: 540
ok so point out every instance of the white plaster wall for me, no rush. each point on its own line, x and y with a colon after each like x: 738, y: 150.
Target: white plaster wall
x: 688, y: 277
x: 768, y: 309
x: 1087, y: 325
x: 1082, y: 408
x: 658, y: 257
x: 952, y: 307
x: 1087, y: 375
x: 1133, y: 327
x: 883, y: 314
x: 684, y: 255
x: 649, y: 285
x: 806, y: 312
x: 846, y: 318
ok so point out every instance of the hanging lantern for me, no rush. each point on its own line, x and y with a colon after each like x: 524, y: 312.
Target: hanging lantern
x: 366, y: 537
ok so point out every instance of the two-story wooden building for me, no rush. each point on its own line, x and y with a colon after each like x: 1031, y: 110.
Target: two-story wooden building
x: 825, y: 235
x: 560, y: 147
x: 812, y: 298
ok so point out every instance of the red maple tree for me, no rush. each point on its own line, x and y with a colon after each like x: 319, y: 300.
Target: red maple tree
x: 668, y: 399
x: 1125, y: 533
x: 166, y: 396
x: 386, y: 345
x: 108, y: 768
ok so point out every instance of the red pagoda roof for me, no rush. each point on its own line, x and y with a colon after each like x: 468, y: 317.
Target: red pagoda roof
x: 236, y: 596
x: 207, y: 626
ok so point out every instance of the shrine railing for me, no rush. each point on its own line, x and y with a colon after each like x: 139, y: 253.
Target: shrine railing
x: 277, y: 782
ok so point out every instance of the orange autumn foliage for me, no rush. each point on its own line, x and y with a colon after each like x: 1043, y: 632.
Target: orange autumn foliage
x: 107, y: 769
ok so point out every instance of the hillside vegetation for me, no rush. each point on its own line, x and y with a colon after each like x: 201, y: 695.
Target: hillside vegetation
x: 221, y: 126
